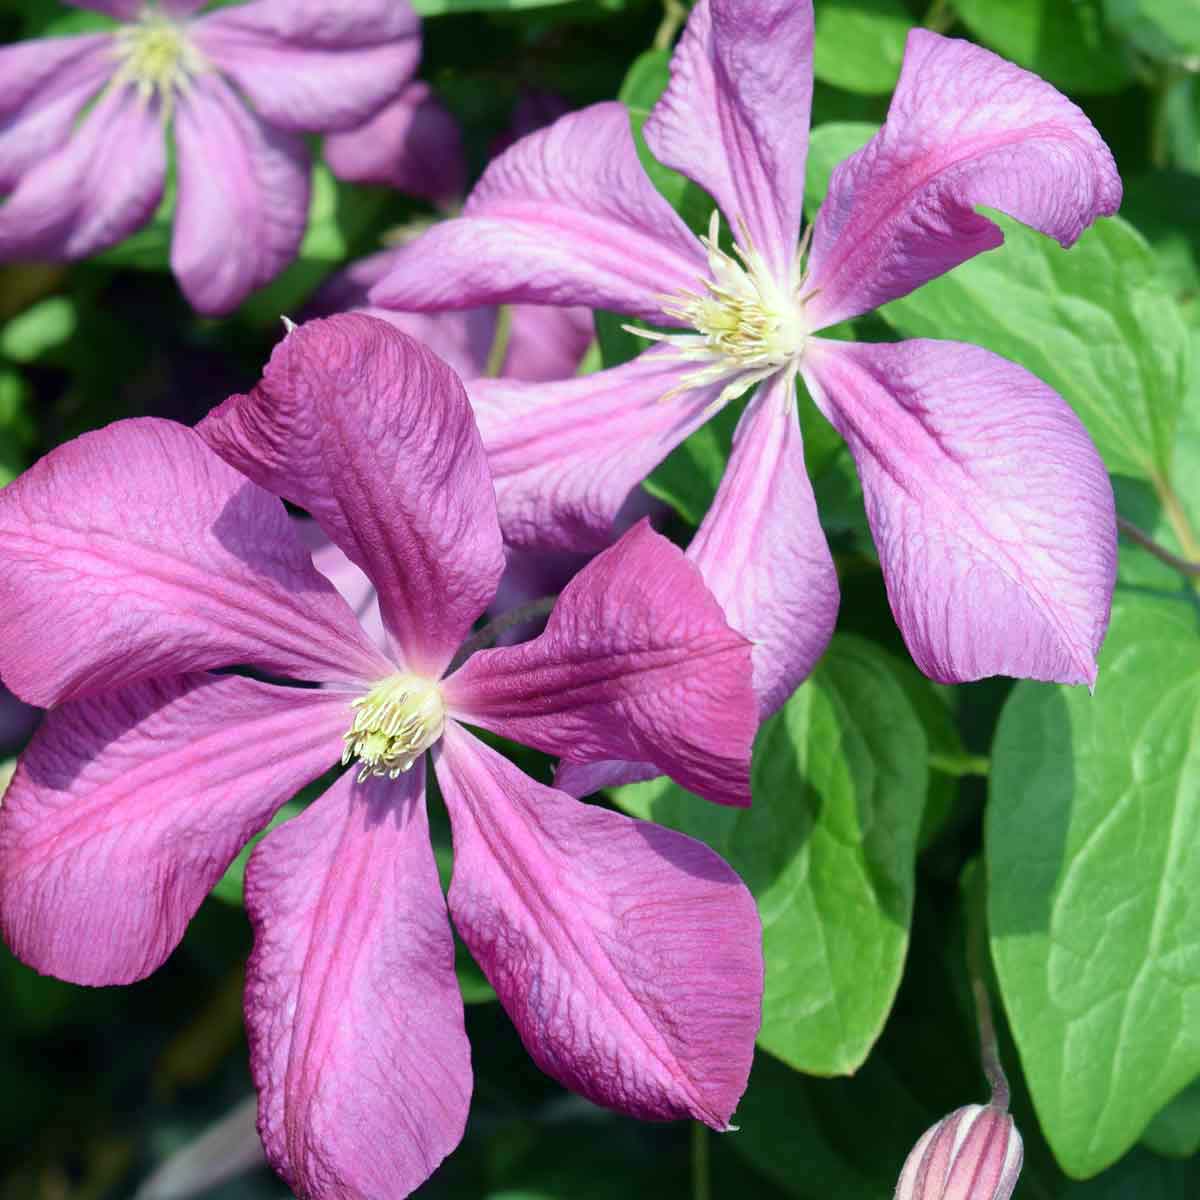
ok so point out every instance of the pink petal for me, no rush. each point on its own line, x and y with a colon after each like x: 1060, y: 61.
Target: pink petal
x: 735, y: 116
x: 566, y: 216
x: 105, y: 183
x: 638, y: 663
x: 242, y: 204
x: 352, y: 1006
x: 564, y: 456
x: 991, y: 509
x: 135, y: 552
x: 761, y: 549
x: 351, y: 583
x: 628, y: 956
x: 128, y: 807
x: 462, y: 337
x: 412, y: 144
x: 309, y: 65
x: 373, y: 435
x: 965, y: 128
x: 585, y: 779
x: 43, y: 86
x: 546, y: 343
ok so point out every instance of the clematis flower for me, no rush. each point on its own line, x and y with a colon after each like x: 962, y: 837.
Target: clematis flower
x: 137, y: 560
x: 412, y: 144
x: 241, y: 169
x: 990, y: 508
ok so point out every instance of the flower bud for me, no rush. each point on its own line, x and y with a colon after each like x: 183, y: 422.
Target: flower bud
x: 973, y: 1154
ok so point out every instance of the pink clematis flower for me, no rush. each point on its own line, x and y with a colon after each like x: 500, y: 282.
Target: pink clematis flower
x: 137, y: 560
x: 412, y: 144
x: 990, y: 507
x: 241, y: 169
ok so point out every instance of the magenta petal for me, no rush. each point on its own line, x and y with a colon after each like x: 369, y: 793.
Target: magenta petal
x: 965, y: 128
x: 105, y: 183
x: 307, y: 65
x: 128, y: 807
x: 373, y: 435
x: 352, y: 1006
x: 135, y: 552
x: 991, y: 509
x: 566, y: 216
x: 628, y: 956
x: 637, y: 662
x: 412, y: 144
x: 761, y: 549
x: 735, y: 116
x: 43, y: 86
x: 242, y: 205
x: 564, y: 456
x: 546, y: 343
x: 352, y: 585
x: 463, y: 337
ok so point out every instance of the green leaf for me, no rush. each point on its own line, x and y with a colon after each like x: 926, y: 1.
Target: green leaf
x: 39, y: 330
x: 827, y: 849
x: 687, y: 478
x: 231, y: 886
x: 1064, y: 41
x: 1167, y: 29
x: 848, y: 1138
x: 1093, y: 850
x: 1175, y: 1131
x: 16, y: 429
x: 1092, y: 321
x: 859, y: 44
x: 828, y: 145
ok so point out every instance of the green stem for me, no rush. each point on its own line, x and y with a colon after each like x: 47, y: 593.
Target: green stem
x: 674, y: 15
x: 989, y: 1047
x: 701, y: 1184
x: 940, y: 16
x: 484, y: 637
x: 961, y: 764
x: 500, y: 339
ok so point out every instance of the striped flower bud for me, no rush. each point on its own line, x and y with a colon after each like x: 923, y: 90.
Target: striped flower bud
x: 973, y: 1154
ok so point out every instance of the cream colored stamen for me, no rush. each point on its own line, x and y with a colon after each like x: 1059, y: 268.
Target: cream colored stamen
x: 394, y: 724
x: 747, y: 326
x: 157, y: 57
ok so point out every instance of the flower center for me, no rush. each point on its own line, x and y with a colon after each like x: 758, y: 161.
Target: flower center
x: 744, y: 316
x: 156, y: 56
x: 394, y: 724
x: 746, y: 324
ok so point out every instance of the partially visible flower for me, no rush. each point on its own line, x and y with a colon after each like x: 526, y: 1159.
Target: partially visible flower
x: 241, y: 169
x: 412, y: 144
x: 990, y: 508
x: 535, y: 109
x: 542, y: 342
x: 973, y: 1154
x: 138, y: 560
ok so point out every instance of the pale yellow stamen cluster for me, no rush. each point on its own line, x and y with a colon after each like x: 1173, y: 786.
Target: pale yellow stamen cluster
x: 157, y: 58
x: 394, y: 724
x: 747, y: 325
